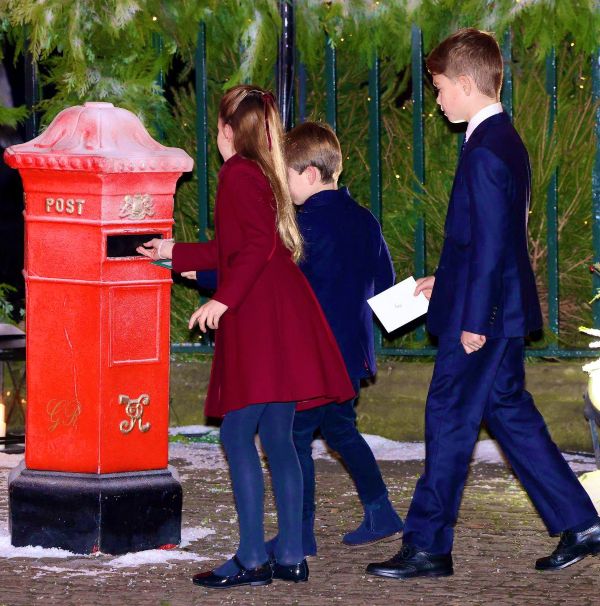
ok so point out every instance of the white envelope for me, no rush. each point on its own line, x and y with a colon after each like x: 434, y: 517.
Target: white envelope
x: 398, y: 306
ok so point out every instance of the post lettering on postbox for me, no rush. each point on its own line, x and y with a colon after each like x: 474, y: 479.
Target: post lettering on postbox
x: 69, y: 206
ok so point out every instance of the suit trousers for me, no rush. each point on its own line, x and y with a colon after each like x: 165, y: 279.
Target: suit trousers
x: 487, y: 386
x: 337, y: 423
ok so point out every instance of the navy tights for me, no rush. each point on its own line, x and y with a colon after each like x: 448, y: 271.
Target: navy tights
x: 274, y: 423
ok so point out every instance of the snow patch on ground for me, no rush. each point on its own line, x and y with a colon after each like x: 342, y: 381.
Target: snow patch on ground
x: 210, y: 456
x: 192, y: 429
x: 151, y: 556
x: 198, y: 455
x: 8, y: 551
x: 189, y: 534
x: 8, y: 461
x: 580, y: 463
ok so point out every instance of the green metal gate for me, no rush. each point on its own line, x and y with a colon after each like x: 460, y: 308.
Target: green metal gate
x: 553, y: 349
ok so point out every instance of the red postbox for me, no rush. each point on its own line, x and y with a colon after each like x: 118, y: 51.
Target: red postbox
x: 96, y: 186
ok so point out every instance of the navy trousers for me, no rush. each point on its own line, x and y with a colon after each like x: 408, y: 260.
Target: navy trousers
x: 466, y: 390
x: 337, y: 423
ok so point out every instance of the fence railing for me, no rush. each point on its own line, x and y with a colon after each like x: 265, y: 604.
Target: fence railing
x: 553, y: 349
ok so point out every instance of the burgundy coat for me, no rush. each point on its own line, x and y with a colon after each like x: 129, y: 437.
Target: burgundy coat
x: 273, y: 344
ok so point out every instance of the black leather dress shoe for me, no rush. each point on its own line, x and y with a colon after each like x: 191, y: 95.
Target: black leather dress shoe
x: 409, y: 563
x: 290, y: 572
x: 572, y: 547
x: 261, y: 575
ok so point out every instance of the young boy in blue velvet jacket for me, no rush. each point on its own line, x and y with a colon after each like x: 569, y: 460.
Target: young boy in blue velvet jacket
x: 346, y: 261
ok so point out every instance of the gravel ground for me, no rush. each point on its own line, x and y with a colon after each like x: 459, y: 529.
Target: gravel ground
x: 498, y: 538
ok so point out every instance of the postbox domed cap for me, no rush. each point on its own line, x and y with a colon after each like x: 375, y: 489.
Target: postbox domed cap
x: 97, y: 137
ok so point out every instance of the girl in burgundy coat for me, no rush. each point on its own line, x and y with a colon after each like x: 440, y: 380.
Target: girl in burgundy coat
x: 274, y: 351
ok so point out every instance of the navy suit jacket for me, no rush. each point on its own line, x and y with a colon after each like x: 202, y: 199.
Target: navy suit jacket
x: 484, y: 282
x: 346, y: 261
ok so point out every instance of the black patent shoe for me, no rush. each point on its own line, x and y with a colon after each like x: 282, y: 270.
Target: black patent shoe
x: 261, y: 575
x: 290, y: 572
x: 409, y: 563
x: 572, y: 547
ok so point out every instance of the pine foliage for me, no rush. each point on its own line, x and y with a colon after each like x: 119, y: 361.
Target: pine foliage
x: 116, y: 50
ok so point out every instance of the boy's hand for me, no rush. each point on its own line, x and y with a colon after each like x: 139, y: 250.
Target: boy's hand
x: 471, y: 342
x: 208, y: 315
x: 188, y: 275
x: 425, y: 285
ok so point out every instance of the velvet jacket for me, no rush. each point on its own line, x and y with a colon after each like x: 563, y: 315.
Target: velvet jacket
x: 346, y: 261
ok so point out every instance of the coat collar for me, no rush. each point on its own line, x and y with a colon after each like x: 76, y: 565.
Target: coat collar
x: 324, y: 198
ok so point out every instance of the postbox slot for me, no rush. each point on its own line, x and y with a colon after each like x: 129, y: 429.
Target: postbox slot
x: 124, y: 245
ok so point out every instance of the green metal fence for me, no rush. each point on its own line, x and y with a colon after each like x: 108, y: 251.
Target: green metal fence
x: 553, y: 349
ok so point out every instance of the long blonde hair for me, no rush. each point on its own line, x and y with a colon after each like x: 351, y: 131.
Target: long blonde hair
x: 258, y: 135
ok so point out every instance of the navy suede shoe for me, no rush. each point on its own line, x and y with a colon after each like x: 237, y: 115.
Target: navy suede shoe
x: 380, y: 521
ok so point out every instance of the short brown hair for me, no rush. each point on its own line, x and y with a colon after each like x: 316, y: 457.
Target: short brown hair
x: 469, y: 52
x: 314, y: 144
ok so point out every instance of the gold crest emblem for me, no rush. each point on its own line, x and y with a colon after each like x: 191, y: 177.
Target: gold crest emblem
x: 136, y: 207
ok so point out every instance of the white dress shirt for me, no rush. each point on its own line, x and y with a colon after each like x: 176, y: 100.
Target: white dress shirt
x: 483, y: 114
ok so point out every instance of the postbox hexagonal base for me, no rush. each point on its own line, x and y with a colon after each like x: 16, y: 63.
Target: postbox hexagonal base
x: 83, y: 513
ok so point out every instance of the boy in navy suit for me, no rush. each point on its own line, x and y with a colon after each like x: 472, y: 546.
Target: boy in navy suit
x: 346, y: 261
x: 483, y: 302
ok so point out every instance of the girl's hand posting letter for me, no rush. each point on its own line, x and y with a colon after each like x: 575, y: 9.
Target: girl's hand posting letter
x: 208, y: 315
x: 157, y: 248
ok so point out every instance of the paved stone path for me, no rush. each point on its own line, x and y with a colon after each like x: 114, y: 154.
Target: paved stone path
x: 498, y: 537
